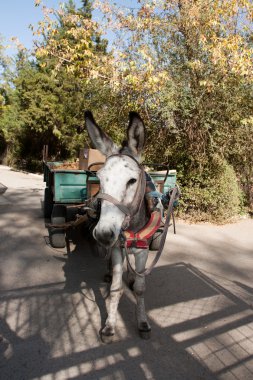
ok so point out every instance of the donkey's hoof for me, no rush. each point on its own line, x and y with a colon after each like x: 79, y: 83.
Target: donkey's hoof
x: 107, y: 339
x: 108, y: 278
x: 107, y: 334
x: 145, y: 330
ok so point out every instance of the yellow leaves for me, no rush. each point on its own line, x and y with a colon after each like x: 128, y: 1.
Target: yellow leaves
x: 232, y: 54
x: 146, y: 10
x: 195, y: 64
x: 1, y: 101
x: 70, y: 69
x: 149, y: 38
x: 18, y: 44
x: 208, y: 84
x: 41, y: 53
x: 145, y: 53
x: 94, y: 74
x: 132, y: 80
x: 37, y: 3
x: 132, y: 64
x: 70, y: 44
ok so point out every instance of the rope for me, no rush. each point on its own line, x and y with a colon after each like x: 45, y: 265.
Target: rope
x: 65, y: 226
x: 163, y: 239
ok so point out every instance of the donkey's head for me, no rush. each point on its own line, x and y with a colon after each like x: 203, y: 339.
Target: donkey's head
x: 120, y: 176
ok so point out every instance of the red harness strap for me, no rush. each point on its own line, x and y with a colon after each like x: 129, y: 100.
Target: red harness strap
x: 140, y: 238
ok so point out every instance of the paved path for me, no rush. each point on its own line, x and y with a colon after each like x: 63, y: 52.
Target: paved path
x: 199, y: 301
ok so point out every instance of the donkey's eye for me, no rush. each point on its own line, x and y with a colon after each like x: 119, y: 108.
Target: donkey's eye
x: 131, y: 181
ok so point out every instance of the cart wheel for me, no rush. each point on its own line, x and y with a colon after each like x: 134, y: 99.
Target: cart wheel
x: 48, y: 203
x: 57, y: 236
x: 156, y: 240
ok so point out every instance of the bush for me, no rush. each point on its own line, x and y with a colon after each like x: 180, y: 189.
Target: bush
x: 213, y: 196
x: 3, y: 146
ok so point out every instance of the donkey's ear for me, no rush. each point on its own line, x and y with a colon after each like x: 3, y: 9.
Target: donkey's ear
x: 136, y: 133
x: 100, y: 139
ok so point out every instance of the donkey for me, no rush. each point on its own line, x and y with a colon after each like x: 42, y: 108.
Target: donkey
x: 122, y: 190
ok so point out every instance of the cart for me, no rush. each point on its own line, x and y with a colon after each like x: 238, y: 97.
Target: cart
x: 68, y: 186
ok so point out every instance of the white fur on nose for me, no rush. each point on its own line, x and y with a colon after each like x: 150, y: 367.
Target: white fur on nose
x: 111, y: 220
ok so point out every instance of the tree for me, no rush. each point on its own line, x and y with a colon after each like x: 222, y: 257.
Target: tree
x: 191, y: 64
x: 71, y: 39
x: 49, y: 96
x: 72, y: 46
x: 186, y: 65
x: 5, y: 72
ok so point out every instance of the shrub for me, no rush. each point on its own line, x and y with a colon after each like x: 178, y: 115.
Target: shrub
x: 213, y: 196
x: 3, y: 144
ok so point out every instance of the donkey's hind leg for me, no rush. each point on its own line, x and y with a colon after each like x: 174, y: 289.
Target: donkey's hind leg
x: 139, y: 289
x: 116, y: 291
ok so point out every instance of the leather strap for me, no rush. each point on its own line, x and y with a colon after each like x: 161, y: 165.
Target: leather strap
x: 128, y: 210
x: 114, y: 201
x: 163, y: 238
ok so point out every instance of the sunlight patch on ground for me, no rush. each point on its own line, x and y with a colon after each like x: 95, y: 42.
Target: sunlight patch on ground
x: 188, y: 310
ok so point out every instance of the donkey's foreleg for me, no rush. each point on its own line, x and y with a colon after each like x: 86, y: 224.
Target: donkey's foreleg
x: 139, y: 289
x: 116, y: 291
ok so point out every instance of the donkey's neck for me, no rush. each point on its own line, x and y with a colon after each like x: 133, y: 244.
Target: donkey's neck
x: 140, y: 218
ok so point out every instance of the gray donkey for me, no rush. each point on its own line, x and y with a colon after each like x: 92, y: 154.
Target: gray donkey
x: 122, y: 193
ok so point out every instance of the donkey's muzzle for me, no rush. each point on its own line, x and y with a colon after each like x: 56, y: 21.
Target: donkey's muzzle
x: 105, y: 237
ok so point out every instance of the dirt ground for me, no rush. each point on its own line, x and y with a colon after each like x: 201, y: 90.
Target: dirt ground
x: 199, y: 300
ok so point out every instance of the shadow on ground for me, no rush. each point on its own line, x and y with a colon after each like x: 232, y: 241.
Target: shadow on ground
x: 200, y: 330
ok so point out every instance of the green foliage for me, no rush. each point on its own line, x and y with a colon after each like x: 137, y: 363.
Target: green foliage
x: 46, y: 106
x: 204, y: 106
x: 214, y: 195
x: 240, y: 155
x: 185, y: 66
x: 3, y: 146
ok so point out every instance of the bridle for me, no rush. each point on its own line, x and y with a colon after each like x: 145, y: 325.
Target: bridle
x: 174, y: 195
x: 132, y: 209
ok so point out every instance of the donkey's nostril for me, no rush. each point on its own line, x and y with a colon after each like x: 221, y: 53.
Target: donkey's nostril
x: 107, y: 235
x: 104, y: 237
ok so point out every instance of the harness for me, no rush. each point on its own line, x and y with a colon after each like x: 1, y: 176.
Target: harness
x: 137, y: 239
x: 132, y: 209
x: 145, y: 191
x: 140, y: 239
